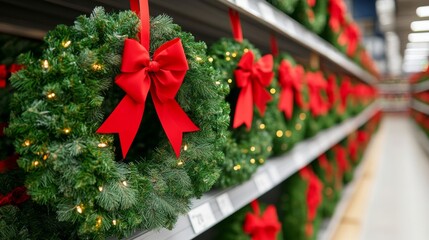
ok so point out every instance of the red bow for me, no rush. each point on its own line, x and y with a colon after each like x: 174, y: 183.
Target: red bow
x: 342, y: 162
x: 15, y: 68
x: 290, y: 79
x: 314, y: 192
x: 265, y: 227
x: 345, y: 90
x: 162, y: 75
x: 353, y: 149
x: 337, y: 11
x: 331, y: 90
x: 362, y: 137
x: 326, y: 166
x: 16, y: 197
x: 8, y: 163
x: 3, y: 75
x: 350, y: 37
x: 316, y: 83
x: 311, y: 3
x: 252, y: 78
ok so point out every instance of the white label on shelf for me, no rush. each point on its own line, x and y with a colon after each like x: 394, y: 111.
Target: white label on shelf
x: 225, y: 204
x: 274, y: 173
x: 263, y: 182
x: 201, y: 217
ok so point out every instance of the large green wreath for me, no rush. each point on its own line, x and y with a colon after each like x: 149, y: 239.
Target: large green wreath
x: 312, y: 17
x: 245, y: 149
x: 59, y: 104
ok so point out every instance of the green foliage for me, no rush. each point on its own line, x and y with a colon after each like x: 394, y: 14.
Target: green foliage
x: 60, y: 103
x: 245, y: 150
x: 314, y: 18
x: 286, y: 6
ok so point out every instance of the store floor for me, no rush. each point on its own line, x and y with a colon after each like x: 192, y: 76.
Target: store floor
x: 391, y: 201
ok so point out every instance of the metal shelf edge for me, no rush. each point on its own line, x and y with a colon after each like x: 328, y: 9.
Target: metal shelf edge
x: 419, y: 106
x: 420, y: 87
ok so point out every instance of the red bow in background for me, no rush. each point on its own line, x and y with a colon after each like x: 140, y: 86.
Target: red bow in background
x: 332, y: 90
x: 337, y: 11
x: 161, y: 75
x: 353, y: 149
x: 16, y: 197
x: 3, y: 75
x: 316, y: 84
x: 313, y: 197
x: 15, y: 68
x: 345, y: 90
x: 252, y: 78
x: 350, y: 37
x: 9, y: 163
x: 326, y: 166
x: 341, y: 159
x: 362, y: 136
x: 291, y: 80
x: 264, y: 226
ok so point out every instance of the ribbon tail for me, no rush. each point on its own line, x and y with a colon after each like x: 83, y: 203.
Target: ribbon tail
x: 286, y: 102
x: 262, y: 97
x: 244, y: 109
x: 124, y: 120
x: 2, y: 83
x: 174, y: 121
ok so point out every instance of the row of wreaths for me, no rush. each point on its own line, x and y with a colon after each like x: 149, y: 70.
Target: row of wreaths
x: 233, y: 107
x: 421, y: 118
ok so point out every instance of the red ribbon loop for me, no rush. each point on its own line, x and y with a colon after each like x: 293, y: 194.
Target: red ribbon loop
x: 16, y: 197
x: 345, y: 90
x: 234, y: 18
x: 3, y: 75
x: 290, y: 79
x: 337, y: 11
x: 316, y: 83
x: 162, y: 76
x: 8, y: 163
x: 265, y: 227
x: 252, y: 78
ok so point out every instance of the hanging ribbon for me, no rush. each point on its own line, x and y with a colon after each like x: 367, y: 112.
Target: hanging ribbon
x: 3, y: 75
x: 290, y: 79
x: 274, y: 45
x: 262, y: 227
x: 253, y: 78
x: 234, y: 18
x: 16, y: 197
x: 337, y: 14
x: 313, y: 192
x: 161, y: 75
x: 316, y: 84
x: 8, y: 163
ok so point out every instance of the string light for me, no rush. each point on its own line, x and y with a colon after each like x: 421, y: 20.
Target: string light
x: 272, y: 90
x: 234, y: 54
x: 51, y: 95
x: 227, y: 53
x: 237, y: 167
x: 27, y: 143
x: 302, y: 116
x: 252, y: 161
x: 261, y: 160
x: 298, y: 126
x: 79, y: 209
x: 228, y: 59
x: 252, y: 148
x: 96, y: 67
x: 279, y: 133
x: 45, y: 156
x: 185, y: 148
x: 124, y: 183
x: 180, y: 163
x: 262, y: 126
x: 288, y: 133
x: 269, y: 149
x: 36, y: 163
x: 66, y: 44
x: 245, y: 50
x: 102, y: 145
x: 98, y: 223
x: 210, y: 59
x: 45, y: 64
x: 66, y: 130
x: 100, y: 188
x: 217, y: 83
x: 114, y: 222
x: 229, y: 80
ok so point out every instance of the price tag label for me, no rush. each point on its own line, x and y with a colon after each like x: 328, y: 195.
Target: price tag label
x: 225, y: 204
x: 263, y: 182
x: 201, y: 218
x: 274, y: 173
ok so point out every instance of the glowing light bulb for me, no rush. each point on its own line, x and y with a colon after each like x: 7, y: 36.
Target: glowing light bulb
x: 230, y: 80
x: 102, y: 145
x: 272, y: 90
x: 79, y: 209
x: 237, y: 167
x: 262, y: 126
x: 96, y: 67
x: 252, y: 148
x: 210, y: 59
x: 114, y: 222
x: 185, y: 148
x: 45, y: 64
x: 279, y: 133
x: 124, y: 183
x: 100, y: 188
x: 27, y: 143
x: 66, y: 44
x: 252, y: 161
x: 51, y: 95
x: 66, y: 130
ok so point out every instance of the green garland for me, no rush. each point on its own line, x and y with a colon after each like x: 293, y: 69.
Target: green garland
x: 314, y: 18
x: 245, y: 150
x: 286, y: 6
x: 286, y: 132
x: 59, y: 104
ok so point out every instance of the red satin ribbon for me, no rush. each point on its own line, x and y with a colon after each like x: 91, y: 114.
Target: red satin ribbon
x: 316, y: 84
x: 274, y: 45
x: 3, y: 75
x: 313, y: 193
x: 262, y: 227
x: 161, y: 75
x: 234, y: 18
x: 9, y: 163
x: 16, y: 197
x: 337, y: 11
x: 342, y: 162
x: 252, y: 77
x: 290, y: 79
x: 15, y: 68
x: 350, y: 37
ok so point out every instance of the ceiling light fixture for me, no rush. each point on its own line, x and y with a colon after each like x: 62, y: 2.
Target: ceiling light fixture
x: 417, y: 26
x: 423, y: 11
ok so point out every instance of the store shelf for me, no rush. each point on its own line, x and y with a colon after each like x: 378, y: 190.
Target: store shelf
x: 419, y: 106
x: 395, y: 88
x: 265, y: 13
x: 219, y: 204
x: 422, y: 138
x: 420, y: 87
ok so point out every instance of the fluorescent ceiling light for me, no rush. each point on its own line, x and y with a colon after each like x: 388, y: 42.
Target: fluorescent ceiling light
x: 417, y: 45
x: 420, y: 25
x: 418, y: 37
x: 417, y: 51
x: 423, y: 11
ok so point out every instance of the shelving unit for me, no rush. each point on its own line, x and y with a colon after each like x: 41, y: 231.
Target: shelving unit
x: 422, y: 138
x: 419, y: 106
x: 420, y: 87
x: 216, y: 205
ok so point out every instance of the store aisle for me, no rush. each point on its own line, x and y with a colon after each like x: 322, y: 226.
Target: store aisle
x: 399, y: 200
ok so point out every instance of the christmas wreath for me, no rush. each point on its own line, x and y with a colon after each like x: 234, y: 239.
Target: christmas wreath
x: 337, y: 10
x: 318, y: 103
x: 286, y: 6
x: 300, y: 205
x: 60, y: 102
x: 288, y: 112
x: 249, y: 143
x: 312, y: 14
x: 256, y: 221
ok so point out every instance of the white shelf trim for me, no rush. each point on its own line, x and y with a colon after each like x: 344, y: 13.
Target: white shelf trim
x: 419, y: 106
x: 268, y: 15
x: 272, y: 173
x: 420, y: 87
x: 421, y: 137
